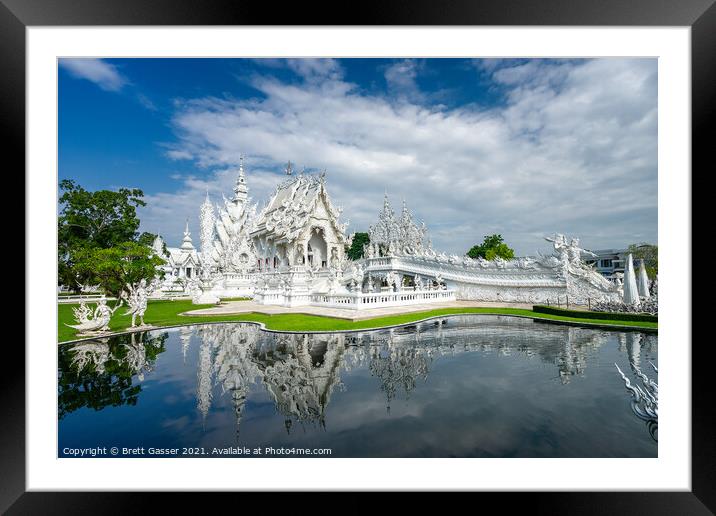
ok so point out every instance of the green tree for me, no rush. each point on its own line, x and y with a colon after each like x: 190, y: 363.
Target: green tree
x: 493, y: 246
x: 115, y: 267
x: 650, y: 254
x: 90, y: 220
x: 355, y: 251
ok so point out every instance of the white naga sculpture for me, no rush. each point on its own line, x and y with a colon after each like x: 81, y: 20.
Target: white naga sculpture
x: 93, y: 322
x: 136, y: 298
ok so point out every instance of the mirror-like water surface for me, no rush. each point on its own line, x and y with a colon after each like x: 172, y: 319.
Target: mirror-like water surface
x: 468, y: 386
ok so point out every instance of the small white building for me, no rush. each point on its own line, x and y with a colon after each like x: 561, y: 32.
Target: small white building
x: 182, y: 264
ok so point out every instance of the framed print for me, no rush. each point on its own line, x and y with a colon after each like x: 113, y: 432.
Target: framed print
x: 421, y: 250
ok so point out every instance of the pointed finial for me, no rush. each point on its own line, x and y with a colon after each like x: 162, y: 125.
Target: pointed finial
x: 289, y: 168
x: 186, y: 229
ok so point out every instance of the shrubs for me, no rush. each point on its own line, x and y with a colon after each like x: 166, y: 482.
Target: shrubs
x: 611, y: 316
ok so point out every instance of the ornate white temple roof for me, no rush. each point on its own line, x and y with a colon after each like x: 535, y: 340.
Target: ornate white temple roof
x: 292, y: 204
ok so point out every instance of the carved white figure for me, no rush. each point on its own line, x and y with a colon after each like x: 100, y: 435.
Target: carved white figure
x: 391, y: 279
x: 335, y: 260
x: 83, y: 313
x: 136, y: 297
x: 561, y: 247
x: 418, y: 283
x: 575, y: 252
x: 99, y: 322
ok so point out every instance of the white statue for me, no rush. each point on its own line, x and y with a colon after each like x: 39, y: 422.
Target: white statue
x: 391, y: 278
x: 561, y: 247
x: 575, y: 252
x: 136, y: 298
x: 335, y: 260
x: 99, y: 322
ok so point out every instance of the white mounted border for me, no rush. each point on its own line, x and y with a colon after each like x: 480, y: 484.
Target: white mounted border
x: 671, y: 471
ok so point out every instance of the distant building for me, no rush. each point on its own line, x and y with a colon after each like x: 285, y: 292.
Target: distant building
x: 181, y: 263
x: 609, y: 263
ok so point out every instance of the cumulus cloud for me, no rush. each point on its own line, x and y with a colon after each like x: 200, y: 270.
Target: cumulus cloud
x: 103, y: 74
x: 572, y: 149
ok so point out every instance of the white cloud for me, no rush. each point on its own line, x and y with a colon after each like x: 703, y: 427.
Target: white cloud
x: 103, y: 74
x: 401, y: 79
x: 572, y: 150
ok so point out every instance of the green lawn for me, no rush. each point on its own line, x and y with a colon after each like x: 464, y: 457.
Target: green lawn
x: 166, y: 313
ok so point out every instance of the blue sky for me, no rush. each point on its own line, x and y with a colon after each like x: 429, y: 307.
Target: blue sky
x: 519, y: 147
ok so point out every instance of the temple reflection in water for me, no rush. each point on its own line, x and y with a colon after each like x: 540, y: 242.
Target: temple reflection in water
x: 301, y: 372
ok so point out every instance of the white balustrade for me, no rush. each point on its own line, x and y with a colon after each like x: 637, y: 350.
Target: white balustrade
x: 363, y: 300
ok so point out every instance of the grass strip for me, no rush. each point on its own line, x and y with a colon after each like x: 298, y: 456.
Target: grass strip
x: 167, y: 313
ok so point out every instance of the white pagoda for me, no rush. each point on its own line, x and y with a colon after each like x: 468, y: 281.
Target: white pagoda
x: 227, y: 253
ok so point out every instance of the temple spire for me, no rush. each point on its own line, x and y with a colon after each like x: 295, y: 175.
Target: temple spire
x: 241, y: 191
x: 186, y: 242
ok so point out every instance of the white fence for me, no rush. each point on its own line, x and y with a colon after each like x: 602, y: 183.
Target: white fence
x: 363, y: 300
x: 82, y: 297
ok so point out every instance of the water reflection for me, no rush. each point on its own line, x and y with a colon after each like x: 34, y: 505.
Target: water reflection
x: 102, y: 372
x: 645, y: 398
x: 301, y: 373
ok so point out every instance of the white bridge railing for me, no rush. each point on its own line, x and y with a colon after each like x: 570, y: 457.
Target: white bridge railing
x: 363, y: 300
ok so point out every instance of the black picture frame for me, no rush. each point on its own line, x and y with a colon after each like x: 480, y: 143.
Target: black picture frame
x: 700, y: 15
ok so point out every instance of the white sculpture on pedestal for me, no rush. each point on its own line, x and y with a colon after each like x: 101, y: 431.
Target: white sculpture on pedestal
x: 136, y: 297
x: 93, y: 323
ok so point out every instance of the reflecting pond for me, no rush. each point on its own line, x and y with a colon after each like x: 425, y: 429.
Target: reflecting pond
x: 463, y: 386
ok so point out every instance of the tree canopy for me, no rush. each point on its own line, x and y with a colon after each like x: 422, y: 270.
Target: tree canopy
x: 355, y: 251
x: 114, y: 267
x: 493, y: 246
x: 650, y: 254
x: 98, y: 241
x: 97, y: 219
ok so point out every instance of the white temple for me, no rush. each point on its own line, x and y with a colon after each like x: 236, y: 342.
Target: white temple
x: 182, y: 264
x: 293, y: 253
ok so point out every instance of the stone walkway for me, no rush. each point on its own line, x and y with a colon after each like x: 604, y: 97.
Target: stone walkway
x: 242, y: 307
